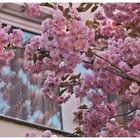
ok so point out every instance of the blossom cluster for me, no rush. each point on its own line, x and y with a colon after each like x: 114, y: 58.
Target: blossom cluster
x: 46, y: 133
x: 57, y: 51
x: 32, y: 9
x: 95, y: 118
x: 114, y: 129
x: 7, y: 42
x: 109, y: 47
x: 125, y: 13
x: 114, y: 60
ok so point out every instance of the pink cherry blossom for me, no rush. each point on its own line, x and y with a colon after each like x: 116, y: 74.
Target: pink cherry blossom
x: 135, y: 123
x: 47, y: 133
x: 30, y: 134
x: 4, y: 39
x: 16, y: 37
x: 33, y: 10
x: 134, y: 87
x: 110, y: 50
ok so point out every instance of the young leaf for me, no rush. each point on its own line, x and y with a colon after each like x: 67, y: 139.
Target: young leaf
x: 67, y: 10
x: 34, y: 58
x: 63, y: 84
x: 48, y: 16
x: 82, y: 4
x: 80, y: 9
x: 94, y: 8
x: 61, y: 8
x: 83, y: 9
x: 89, y: 23
x: 65, y: 77
x: 75, y: 76
x: 89, y: 53
x: 89, y: 5
x: 70, y: 4
x: 62, y: 91
x: 48, y: 5
x: 83, y: 107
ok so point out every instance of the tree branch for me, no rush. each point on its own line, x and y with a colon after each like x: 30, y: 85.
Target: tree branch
x: 123, y: 74
x: 119, y: 115
x: 108, y: 62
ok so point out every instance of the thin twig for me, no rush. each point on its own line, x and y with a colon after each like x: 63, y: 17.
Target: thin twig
x: 108, y: 62
x: 18, y: 47
x: 124, y: 75
x: 119, y: 115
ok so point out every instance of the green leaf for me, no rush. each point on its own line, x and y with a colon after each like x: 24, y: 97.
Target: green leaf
x: 89, y: 52
x: 62, y: 91
x: 48, y: 16
x: 61, y: 8
x: 22, y: 8
x: 82, y: 4
x: 67, y: 10
x: 65, y: 77
x: 50, y: 38
x: 9, y: 46
x: 34, y: 58
x: 63, y: 84
x: 89, y: 5
x: 75, y: 76
x: 89, y: 23
x: 68, y: 16
x: 83, y: 107
x: 70, y: 4
x: 132, y: 34
x: 48, y: 5
x: 83, y: 9
x: 78, y: 131
x: 80, y: 9
x: 94, y: 8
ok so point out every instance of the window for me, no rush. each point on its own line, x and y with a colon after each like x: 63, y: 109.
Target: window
x: 21, y: 96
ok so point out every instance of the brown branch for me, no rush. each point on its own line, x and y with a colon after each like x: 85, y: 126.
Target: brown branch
x: 123, y: 74
x: 119, y: 115
x: 18, y: 47
x: 118, y: 74
x: 108, y: 62
x: 87, y: 62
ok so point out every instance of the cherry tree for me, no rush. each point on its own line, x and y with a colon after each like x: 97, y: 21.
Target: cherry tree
x: 108, y: 45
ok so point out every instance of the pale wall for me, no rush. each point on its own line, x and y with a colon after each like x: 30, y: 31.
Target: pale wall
x: 10, y: 129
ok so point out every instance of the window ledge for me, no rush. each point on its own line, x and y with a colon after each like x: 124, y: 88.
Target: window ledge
x: 36, y: 126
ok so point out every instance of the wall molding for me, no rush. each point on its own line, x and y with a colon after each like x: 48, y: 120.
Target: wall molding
x: 11, y: 13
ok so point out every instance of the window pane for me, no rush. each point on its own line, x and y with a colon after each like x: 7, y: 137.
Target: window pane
x: 20, y: 93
